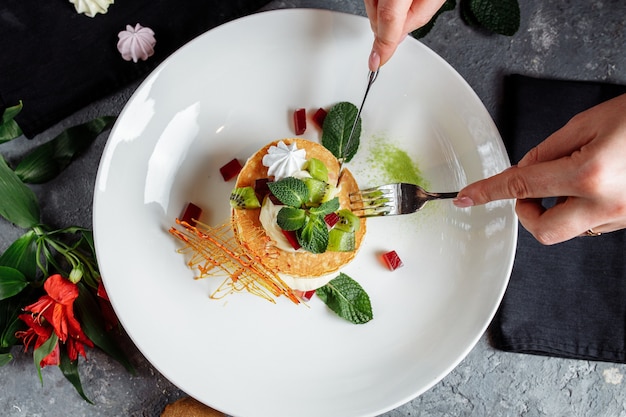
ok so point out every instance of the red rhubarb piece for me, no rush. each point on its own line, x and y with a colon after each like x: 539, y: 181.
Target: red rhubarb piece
x: 191, y: 213
x: 308, y: 294
x: 299, y: 121
x: 261, y: 189
x: 331, y: 219
x: 291, y: 237
x: 305, y: 295
x: 392, y: 260
x: 231, y: 169
x: 319, y: 116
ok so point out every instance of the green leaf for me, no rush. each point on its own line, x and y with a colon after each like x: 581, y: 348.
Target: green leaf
x: 336, y: 131
x: 88, y: 310
x: 8, y: 127
x: 88, y: 236
x: 9, y: 318
x: 12, y: 282
x: 10, y: 112
x: 468, y: 16
x: 70, y: 371
x: 424, y: 30
x: 291, y: 218
x: 22, y: 255
x: 498, y: 16
x: 18, y: 203
x: 43, y: 351
x: 290, y: 191
x: 49, y: 159
x: 5, y: 358
x: 325, y: 208
x: 8, y: 334
x: 313, y: 237
x: 347, y: 299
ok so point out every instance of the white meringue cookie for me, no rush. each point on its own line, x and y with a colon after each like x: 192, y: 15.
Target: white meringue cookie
x: 136, y: 43
x: 91, y: 7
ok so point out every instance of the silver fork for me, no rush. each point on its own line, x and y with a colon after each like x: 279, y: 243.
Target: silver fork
x: 392, y: 199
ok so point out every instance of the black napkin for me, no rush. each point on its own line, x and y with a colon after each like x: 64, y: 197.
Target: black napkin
x: 57, y: 61
x: 566, y: 300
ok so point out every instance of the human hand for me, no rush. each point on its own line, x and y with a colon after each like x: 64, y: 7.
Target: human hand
x: 583, y: 164
x: 392, y: 20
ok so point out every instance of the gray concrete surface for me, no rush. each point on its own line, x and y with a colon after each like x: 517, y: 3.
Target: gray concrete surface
x: 582, y: 40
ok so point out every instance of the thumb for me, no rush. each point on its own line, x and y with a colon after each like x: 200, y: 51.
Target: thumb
x: 382, y: 50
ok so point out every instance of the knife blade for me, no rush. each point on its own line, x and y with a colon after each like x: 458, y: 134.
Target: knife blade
x: 371, y: 77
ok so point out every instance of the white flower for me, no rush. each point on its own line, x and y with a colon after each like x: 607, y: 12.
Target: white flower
x: 91, y: 7
x: 136, y: 43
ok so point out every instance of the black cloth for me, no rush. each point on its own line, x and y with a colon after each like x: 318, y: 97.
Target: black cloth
x: 57, y: 61
x: 566, y: 300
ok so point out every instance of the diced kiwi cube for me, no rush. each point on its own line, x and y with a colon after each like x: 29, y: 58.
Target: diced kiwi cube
x: 348, y: 221
x: 317, y: 189
x: 317, y: 169
x: 244, y: 198
x: 340, y: 241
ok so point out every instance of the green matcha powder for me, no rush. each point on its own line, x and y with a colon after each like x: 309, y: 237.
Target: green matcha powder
x: 393, y: 164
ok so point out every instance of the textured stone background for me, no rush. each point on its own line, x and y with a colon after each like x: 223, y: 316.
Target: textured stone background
x: 582, y: 40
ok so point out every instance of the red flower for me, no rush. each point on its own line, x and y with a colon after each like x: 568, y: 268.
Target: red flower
x: 110, y: 319
x: 42, y: 334
x: 57, y: 310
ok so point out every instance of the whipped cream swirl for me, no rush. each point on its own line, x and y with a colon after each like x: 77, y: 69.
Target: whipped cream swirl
x: 284, y: 160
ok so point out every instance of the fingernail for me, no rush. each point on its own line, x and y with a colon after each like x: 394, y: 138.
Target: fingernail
x: 463, y: 202
x: 374, y: 61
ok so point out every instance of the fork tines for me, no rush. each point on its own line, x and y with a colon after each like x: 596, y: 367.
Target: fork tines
x: 378, y: 201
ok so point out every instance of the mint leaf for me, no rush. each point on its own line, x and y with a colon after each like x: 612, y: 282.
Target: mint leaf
x: 424, y: 30
x: 336, y: 131
x: 498, y: 16
x: 325, y: 208
x: 291, y: 218
x: 8, y: 127
x: 18, y: 203
x: 290, y: 191
x: 314, y: 235
x: 347, y: 299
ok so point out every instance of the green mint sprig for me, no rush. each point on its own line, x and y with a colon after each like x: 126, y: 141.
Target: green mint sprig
x: 290, y: 191
x: 496, y: 16
x: 347, y: 299
x: 313, y: 236
x: 307, y: 222
x: 336, y: 131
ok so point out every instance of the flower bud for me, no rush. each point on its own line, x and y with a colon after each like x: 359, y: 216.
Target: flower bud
x: 76, y: 274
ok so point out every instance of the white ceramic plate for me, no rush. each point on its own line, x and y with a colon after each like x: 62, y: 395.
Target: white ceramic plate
x: 226, y: 94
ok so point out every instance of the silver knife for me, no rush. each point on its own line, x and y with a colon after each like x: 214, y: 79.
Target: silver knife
x: 370, y: 80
